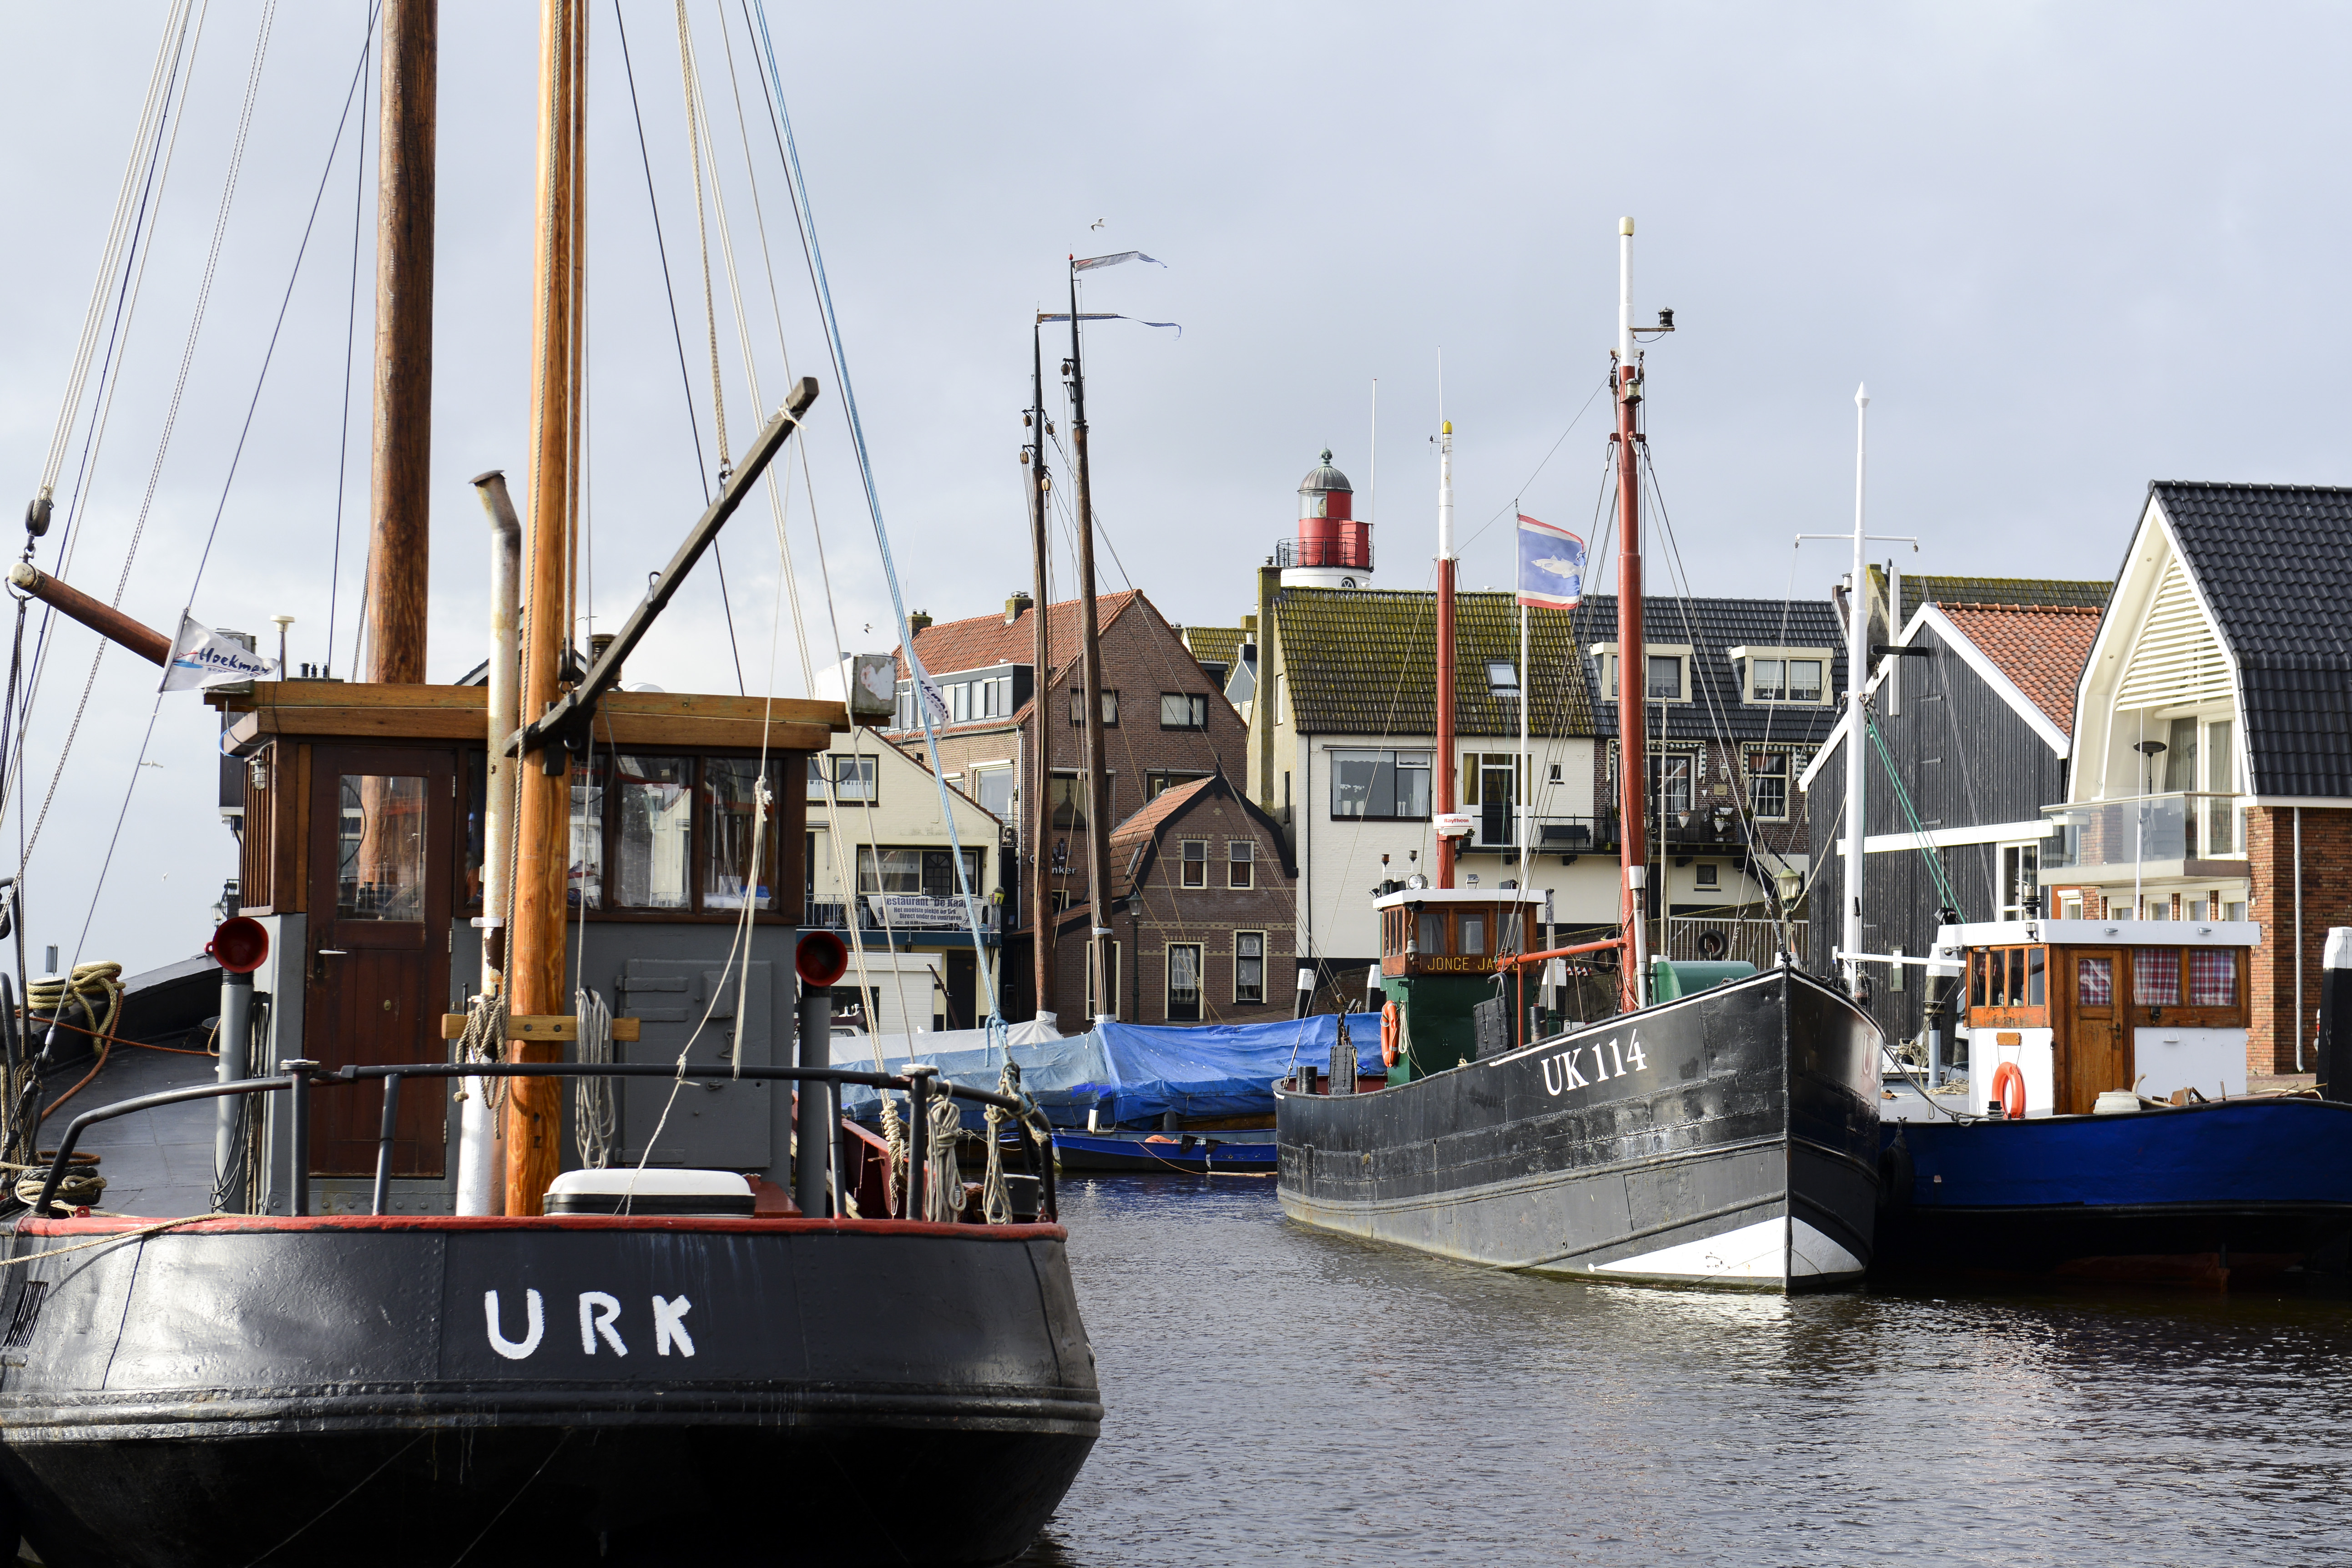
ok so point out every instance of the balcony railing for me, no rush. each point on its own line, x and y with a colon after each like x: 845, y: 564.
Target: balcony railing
x: 1745, y: 941
x: 1500, y: 828
x: 1351, y: 553
x: 2115, y: 834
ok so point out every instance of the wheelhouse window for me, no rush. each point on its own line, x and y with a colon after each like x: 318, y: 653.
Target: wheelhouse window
x: 2009, y: 987
x: 1380, y: 786
x: 673, y: 834
x: 653, y: 832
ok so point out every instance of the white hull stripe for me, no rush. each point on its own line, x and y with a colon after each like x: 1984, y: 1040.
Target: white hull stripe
x: 1751, y: 1252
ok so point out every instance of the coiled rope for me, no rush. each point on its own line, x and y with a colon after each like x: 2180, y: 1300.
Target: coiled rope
x: 944, y: 1194
x: 81, y: 1187
x: 594, y: 1121
x: 995, y: 1199
x: 50, y: 995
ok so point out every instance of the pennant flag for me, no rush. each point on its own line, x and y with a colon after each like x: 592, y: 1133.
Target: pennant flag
x: 935, y: 701
x: 202, y: 657
x: 1091, y: 262
x: 1551, y: 566
x: 1109, y: 316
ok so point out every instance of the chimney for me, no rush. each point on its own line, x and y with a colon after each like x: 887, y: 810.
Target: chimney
x: 1014, y: 605
x: 597, y: 643
x: 918, y: 623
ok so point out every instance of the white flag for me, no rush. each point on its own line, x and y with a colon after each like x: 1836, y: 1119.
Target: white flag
x: 934, y: 701
x: 201, y: 657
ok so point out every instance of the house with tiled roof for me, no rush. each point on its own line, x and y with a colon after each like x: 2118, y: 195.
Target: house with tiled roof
x: 2215, y: 726
x: 1202, y: 909
x: 1975, y: 721
x: 1741, y: 693
x: 1342, y: 745
x: 1165, y: 723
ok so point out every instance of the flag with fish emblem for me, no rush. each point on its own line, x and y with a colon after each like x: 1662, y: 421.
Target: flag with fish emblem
x: 1551, y: 566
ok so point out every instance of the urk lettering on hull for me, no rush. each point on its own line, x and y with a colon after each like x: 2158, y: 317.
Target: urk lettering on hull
x: 599, y: 1325
x: 1614, y: 1059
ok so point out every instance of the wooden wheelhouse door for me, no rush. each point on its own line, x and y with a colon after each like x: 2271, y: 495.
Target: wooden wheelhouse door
x: 382, y: 858
x: 2094, y: 1049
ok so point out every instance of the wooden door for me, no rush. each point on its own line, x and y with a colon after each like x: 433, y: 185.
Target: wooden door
x: 2094, y: 1050
x: 381, y: 867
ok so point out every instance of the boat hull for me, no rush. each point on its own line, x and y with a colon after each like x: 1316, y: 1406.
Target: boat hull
x: 350, y: 1391
x: 1194, y: 1153
x: 2195, y: 1194
x: 1742, y: 1151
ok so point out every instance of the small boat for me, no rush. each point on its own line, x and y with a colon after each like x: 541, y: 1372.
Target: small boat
x: 2106, y: 1132
x: 1728, y: 1136
x: 1238, y: 1152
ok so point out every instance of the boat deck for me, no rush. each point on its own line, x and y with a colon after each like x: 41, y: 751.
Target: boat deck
x: 158, y: 1163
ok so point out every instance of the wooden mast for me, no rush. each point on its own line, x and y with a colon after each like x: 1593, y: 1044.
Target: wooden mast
x: 402, y: 462
x: 1040, y: 782
x: 1090, y: 654
x: 535, y: 945
x: 1448, y: 847
x: 1632, y: 661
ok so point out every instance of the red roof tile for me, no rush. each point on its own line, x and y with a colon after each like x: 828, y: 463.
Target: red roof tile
x: 984, y: 640
x: 2040, y: 648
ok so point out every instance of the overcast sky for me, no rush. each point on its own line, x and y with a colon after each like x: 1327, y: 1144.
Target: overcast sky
x: 2070, y: 248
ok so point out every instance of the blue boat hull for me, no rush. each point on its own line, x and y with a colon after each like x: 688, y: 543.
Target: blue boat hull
x: 2197, y: 1193
x: 1239, y: 1153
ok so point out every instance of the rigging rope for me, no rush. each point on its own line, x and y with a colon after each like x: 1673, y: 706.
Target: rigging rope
x: 1911, y: 815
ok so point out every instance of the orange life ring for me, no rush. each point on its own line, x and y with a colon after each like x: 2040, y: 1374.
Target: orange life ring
x: 1389, y: 1024
x: 2009, y: 1087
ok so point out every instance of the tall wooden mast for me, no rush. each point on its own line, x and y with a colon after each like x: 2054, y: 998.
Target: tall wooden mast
x: 1090, y: 658
x: 1633, y: 660
x: 535, y: 946
x: 1040, y: 782
x: 1448, y: 846
x: 402, y: 464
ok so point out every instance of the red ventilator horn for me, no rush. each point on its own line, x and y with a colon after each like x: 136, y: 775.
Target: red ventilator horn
x: 821, y: 958
x: 239, y: 944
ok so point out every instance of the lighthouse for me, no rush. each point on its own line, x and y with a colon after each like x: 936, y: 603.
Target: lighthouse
x: 1331, y: 550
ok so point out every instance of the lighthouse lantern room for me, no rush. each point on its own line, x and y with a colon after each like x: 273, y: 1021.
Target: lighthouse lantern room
x: 1333, y: 549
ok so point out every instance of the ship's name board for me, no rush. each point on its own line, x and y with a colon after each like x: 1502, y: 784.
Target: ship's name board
x: 601, y: 1325
x: 1581, y: 1065
x: 1456, y: 963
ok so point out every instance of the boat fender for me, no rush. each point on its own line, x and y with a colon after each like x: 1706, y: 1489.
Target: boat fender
x: 2009, y: 1087
x: 1895, y: 1174
x: 1389, y: 1024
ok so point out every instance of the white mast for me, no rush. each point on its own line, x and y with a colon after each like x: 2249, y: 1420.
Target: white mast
x: 1857, y: 665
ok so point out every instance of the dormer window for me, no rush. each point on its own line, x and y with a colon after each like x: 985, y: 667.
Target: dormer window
x: 1666, y: 675
x: 1785, y: 675
x: 1502, y: 677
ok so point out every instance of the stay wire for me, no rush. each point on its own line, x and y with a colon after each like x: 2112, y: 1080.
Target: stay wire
x: 351, y: 339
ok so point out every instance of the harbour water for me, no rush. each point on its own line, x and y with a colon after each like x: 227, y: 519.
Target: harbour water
x: 1277, y: 1395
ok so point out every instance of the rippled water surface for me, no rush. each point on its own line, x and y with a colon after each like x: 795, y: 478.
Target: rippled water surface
x: 1275, y: 1394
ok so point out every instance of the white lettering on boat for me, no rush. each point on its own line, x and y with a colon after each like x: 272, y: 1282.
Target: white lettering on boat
x: 534, y: 1325
x: 1560, y: 1069
x: 670, y: 1325
x: 598, y: 1313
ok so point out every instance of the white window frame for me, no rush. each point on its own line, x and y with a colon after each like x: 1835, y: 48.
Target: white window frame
x: 1186, y: 860
x: 1241, y: 999
x: 1748, y: 656
x: 1605, y: 655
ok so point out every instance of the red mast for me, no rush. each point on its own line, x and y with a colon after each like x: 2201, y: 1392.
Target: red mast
x: 1632, y: 661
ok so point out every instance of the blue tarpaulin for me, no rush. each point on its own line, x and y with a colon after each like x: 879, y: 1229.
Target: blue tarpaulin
x: 1138, y: 1072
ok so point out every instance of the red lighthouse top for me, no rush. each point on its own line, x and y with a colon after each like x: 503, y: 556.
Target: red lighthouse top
x: 1328, y: 534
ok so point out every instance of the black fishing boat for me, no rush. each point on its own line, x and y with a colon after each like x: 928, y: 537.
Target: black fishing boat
x: 736, y: 1328
x: 1728, y: 1136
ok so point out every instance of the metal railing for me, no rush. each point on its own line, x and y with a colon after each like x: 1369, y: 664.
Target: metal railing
x: 1352, y: 553
x: 2184, y: 825
x: 301, y: 1077
x: 1546, y: 835
x: 1703, y: 939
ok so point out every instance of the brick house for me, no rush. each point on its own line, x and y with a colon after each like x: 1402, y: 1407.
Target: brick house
x: 1166, y: 723
x: 2213, y: 738
x: 1202, y: 906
